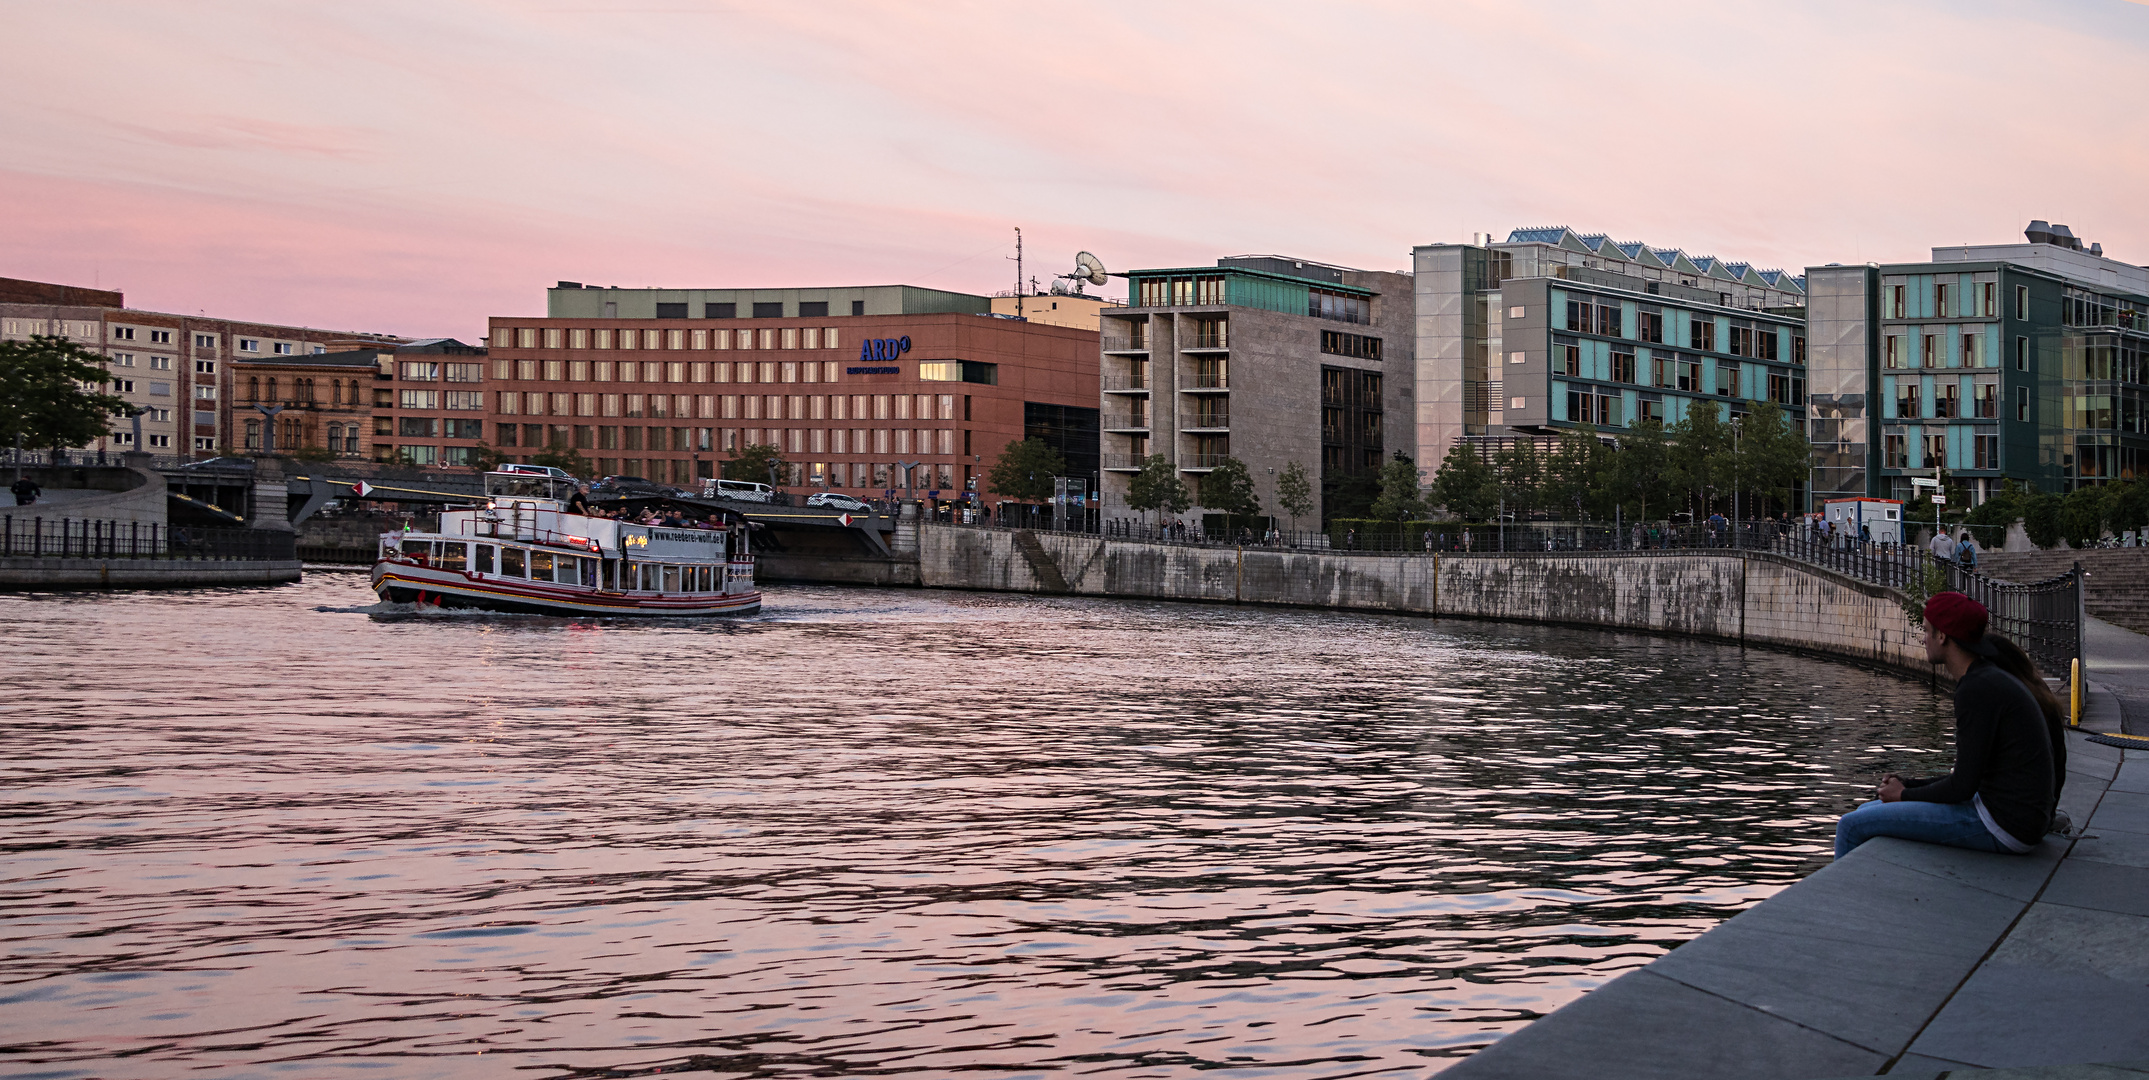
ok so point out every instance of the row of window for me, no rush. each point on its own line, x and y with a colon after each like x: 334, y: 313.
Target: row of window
x: 1933, y: 449
x: 1669, y: 371
x: 772, y: 309
x: 673, y: 371
x: 577, y: 337
x: 302, y: 389
x: 431, y: 371
x: 153, y: 442
x: 1947, y: 401
x: 1741, y: 338
x: 710, y: 406
x: 945, y: 442
x: 152, y: 361
x: 1338, y: 343
x: 454, y: 400
x: 1949, y: 300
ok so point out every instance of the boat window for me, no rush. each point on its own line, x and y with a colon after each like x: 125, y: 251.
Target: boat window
x: 483, y: 562
x: 511, y: 561
x: 671, y: 579
x: 646, y: 577
x: 564, y: 571
x: 541, y: 566
x: 451, y: 555
x: 701, y: 579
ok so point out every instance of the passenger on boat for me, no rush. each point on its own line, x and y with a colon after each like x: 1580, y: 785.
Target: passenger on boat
x: 578, y: 503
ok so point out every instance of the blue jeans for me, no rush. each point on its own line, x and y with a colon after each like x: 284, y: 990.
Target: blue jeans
x: 1953, y: 824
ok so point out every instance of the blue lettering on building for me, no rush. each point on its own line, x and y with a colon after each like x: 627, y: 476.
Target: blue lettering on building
x: 883, y: 348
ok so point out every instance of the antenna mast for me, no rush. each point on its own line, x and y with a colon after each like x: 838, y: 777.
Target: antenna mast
x: 1018, y: 271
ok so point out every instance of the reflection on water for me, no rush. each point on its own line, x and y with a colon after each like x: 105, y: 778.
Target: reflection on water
x: 872, y: 832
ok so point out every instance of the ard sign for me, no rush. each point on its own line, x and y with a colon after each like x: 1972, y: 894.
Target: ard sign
x: 872, y: 349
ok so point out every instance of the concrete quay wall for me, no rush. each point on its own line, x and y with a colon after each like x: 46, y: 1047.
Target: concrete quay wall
x: 21, y: 575
x: 1752, y: 597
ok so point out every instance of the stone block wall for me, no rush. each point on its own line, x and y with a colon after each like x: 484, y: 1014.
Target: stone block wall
x: 1748, y: 596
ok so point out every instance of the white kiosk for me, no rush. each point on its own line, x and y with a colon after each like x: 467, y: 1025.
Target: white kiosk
x: 1880, y: 520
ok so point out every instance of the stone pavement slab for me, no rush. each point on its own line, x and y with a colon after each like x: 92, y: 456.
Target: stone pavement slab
x: 2133, y: 776
x: 1924, y: 1068
x: 2100, y: 886
x: 1623, y: 1030
x: 1865, y: 950
x: 2112, y: 846
x: 2128, y: 810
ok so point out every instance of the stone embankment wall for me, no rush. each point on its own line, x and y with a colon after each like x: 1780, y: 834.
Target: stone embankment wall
x: 92, y: 492
x: 39, y: 574
x: 1749, y: 597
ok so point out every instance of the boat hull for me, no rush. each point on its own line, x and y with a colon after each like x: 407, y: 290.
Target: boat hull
x: 404, y: 583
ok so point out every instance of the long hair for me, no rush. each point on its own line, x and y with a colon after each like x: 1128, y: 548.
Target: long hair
x: 2014, y: 661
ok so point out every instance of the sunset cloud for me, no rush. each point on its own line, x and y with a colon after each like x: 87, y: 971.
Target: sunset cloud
x: 417, y: 167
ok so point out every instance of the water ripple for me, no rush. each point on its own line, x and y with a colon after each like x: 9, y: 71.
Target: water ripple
x: 873, y: 833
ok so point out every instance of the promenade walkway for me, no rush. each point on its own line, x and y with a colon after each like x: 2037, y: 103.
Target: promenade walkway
x: 2119, y: 662
x: 1905, y: 959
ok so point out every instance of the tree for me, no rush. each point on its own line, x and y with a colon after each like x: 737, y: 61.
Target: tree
x: 52, y: 393
x: 1024, y: 471
x: 1521, y: 479
x: 1348, y: 495
x: 1400, y: 499
x: 756, y: 463
x: 564, y: 457
x: 484, y: 458
x: 1577, y: 472
x: 1642, y: 466
x: 1701, y: 452
x: 1465, y: 485
x: 1230, y: 490
x: 1294, y: 492
x: 1157, y: 487
x: 1770, y: 455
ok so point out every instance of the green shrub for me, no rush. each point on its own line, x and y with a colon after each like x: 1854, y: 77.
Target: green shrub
x: 2081, y: 515
x: 2040, y: 519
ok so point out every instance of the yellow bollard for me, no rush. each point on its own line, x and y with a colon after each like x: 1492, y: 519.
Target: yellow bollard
x: 2074, y: 692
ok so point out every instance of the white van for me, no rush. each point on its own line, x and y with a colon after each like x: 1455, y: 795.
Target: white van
x: 737, y: 490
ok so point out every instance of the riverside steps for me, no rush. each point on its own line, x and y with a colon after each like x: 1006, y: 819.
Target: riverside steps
x: 1902, y: 958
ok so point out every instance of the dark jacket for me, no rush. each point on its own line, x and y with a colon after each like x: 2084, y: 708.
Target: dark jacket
x: 2003, y: 755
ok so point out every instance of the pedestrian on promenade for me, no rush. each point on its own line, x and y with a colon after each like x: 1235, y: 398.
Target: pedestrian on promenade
x: 1943, y: 548
x: 1966, y: 551
x: 26, y: 491
x: 1467, y: 539
x: 2000, y: 796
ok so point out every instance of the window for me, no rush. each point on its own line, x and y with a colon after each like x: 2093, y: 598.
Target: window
x: 1936, y: 448
x: 1779, y: 388
x: 1947, y: 401
x: 813, y: 309
x: 417, y: 427
x: 2022, y: 403
x: 468, y: 372
x: 425, y: 399
x: 205, y: 393
x: 1742, y: 341
x: 122, y: 359
x: 1567, y: 359
x: 2022, y: 354
x: 281, y: 348
x: 1701, y: 334
x: 1988, y: 401
x: 1930, y: 353
x: 1891, y: 351
x: 1942, y: 294
x: 671, y: 311
x: 1893, y: 302
x: 1652, y: 327
x: 123, y: 333
x: 1907, y: 405
x: 1338, y: 343
x: 1893, y: 453
x: 1587, y: 408
x: 420, y: 455
x: 1988, y: 298
x: 858, y: 307
x: 1689, y: 376
x: 412, y: 371
x: 2022, y: 302
x: 467, y: 400
x: 1988, y: 450
x: 768, y: 311
x: 1973, y: 349
x: 160, y: 337
x: 162, y: 363
x: 1727, y: 379
x: 160, y: 440
x: 1623, y: 365
x: 205, y: 341
x: 204, y: 367
x: 249, y: 345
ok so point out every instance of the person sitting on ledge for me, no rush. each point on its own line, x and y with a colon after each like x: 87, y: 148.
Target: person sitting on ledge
x: 2000, y: 796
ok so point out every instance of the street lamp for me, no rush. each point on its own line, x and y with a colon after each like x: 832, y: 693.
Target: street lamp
x: 1738, y: 465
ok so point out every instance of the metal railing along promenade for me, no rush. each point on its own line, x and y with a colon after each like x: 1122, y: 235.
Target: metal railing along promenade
x: 37, y: 537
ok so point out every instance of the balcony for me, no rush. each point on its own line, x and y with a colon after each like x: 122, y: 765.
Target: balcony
x: 1206, y: 382
x: 1201, y: 462
x: 1135, y: 349
x: 1205, y: 420
x: 1123, y: 462
x: 1124, y: 422
x: 1126, y: 384
x: 1206, y: 343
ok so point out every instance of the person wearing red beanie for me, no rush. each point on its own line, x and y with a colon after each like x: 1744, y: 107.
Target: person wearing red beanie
x: 2000, y: 794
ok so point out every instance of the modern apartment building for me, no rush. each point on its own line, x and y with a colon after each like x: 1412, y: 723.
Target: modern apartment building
x: 1991, y: 362
x: 867, y: 390
x: 183, y: 371
x: 1553, y: 329
x: 1266, y: 359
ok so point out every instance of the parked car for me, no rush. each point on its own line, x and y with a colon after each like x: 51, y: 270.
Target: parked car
x: 737, y: 490
x: 536, y: 470
x: 613, y: 487
x: 836, y: 500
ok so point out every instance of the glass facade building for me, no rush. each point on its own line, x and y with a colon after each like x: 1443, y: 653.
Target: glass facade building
x: 2002, y: 362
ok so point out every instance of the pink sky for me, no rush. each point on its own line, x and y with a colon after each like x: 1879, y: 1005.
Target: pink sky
x: 417, y: 167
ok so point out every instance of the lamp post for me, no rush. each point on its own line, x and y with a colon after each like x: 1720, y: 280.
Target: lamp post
x: 1738, y: 465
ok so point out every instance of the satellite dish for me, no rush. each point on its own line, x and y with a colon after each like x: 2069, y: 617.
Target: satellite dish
x: 1088, y: 268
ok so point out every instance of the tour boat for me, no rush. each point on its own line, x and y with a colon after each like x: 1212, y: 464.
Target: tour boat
x: 523, y: 552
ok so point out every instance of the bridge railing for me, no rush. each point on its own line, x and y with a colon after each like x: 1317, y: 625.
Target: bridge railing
x: 36, y: 536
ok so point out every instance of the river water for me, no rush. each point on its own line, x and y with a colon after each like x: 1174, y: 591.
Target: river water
x: 275, y: 832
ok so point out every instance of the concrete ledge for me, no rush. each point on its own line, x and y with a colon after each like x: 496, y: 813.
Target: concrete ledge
x: 1910, y: 958
x: 33, y: 574
x: 827, y: 570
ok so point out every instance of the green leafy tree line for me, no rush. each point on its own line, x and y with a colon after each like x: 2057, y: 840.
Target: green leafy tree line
x: 52, y: 394
x: 1650, y: 470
